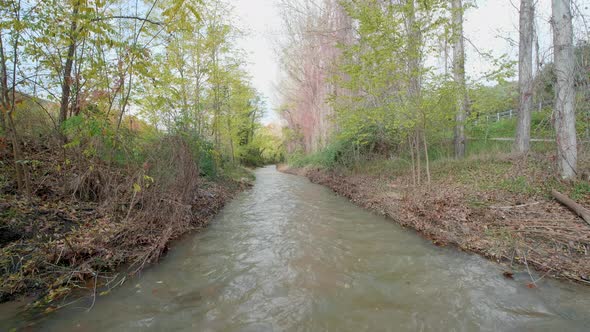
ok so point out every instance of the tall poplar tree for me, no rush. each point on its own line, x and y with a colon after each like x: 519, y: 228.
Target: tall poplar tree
x: 565, y: 117
x: 459, y: 76
x: 525, y: 76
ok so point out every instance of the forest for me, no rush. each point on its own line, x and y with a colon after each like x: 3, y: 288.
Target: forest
x: 128, y: 124
x: 388, y: 78
x: 124, y: 125
x: 380, y: 106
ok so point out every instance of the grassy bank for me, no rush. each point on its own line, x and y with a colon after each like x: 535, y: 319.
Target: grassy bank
x: 494, y: 204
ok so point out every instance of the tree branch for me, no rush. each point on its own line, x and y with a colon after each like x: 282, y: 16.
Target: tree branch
x: 127, y: 18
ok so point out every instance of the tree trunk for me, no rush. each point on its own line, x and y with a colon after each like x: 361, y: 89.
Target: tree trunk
x: 459, y: 76
x: 231, y: 140
x: 67, y: 72
x: 8, y: 107
x: 537, y: 89
x: 411, y: 146
x: 414, y: 36
x: 2, y: 121
x: 525, y: 77
x: 414, y: 57
x: 418, y: 157
x: 428, y: 178
x: 3, y: 85
x: 572, y: 205
x: 565, y: 118
x: 216, y: 101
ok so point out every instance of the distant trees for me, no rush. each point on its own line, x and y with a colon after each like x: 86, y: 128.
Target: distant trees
x: 197, y: 83
x: 171, y: 64
x: 315, y: 29
x: 384, y: 96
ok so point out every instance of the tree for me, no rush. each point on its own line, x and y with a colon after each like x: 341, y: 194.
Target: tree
x: 414, y: 88
x: 309, y: 55
x: 196, y: 85
x: 459, y: 76
x: 13, y: 11
x: 525, y: 77
x: 69, y: 62
x: 565, y: 118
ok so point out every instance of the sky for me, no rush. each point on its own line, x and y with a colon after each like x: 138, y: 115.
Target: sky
x: 491, y: 27
x: 262, y: 22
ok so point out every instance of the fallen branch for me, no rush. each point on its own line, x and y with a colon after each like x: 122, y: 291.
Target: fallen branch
x: 93, y: 292
x: 577, y: 208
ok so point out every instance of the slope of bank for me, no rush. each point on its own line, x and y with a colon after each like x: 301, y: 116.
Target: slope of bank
x: 499, y: 207
x: 87, y: 226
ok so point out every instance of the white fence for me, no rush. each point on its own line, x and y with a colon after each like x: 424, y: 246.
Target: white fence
x: 499, y: 116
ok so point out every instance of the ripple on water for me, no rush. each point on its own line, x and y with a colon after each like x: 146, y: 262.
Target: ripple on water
x: 290, y: 255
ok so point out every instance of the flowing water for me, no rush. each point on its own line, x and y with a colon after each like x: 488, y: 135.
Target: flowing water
x: 290, y: 255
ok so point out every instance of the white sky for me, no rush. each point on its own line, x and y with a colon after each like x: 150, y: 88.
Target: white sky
x: 489, y: 27
x: 262, y: 21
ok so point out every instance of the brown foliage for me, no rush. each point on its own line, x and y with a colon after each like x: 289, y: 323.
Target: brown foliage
x: 88, y: 218
x: 527, y: 229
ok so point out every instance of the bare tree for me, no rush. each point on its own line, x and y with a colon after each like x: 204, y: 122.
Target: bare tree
x: 565, y: 118
x: 525, y: 77
x: 459, y: 75
x: 69, y: 61
x: 4, y: 90
x: 9, y: 100
x: 309, y: 56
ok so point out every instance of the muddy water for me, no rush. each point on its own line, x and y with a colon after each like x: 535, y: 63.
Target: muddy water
x: 290, y: 255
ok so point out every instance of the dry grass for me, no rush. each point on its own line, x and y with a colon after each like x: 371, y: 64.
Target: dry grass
x: 87, y: 218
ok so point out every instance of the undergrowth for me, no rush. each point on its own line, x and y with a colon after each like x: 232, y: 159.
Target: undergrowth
x: 98, y: 204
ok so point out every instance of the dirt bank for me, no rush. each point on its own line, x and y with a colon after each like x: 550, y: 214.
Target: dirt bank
x: 89, y: 225
x: 518, y: 227
x: 51, y: 249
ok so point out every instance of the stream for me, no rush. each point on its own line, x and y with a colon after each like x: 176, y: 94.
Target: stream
x: 289, y: 255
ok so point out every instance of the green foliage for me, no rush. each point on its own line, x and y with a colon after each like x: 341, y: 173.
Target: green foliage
x: 519, y: 184
x: 337, y: 153
x: 482, y: 128
x: 489, y: 100
x: 208, y: 159
x: 251, y: 156
x: 581, y: 190
x: 265, y: 148
x: 92, y: 133
x: 388, y: 100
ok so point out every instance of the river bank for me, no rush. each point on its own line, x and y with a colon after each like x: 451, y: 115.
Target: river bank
x: 88, y: 226
x: 289, y: 255
x: 498, y: 207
